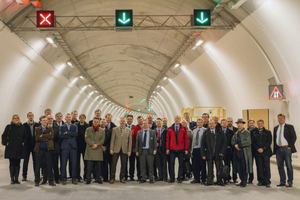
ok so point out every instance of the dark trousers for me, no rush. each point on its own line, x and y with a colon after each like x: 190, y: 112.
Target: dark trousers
x: 210, y: 170
x: 180, y: 156
x: 285, y: 155
x: 250, y: 176
x: 106, y: 165
x: 71, y: 155
x: 44, y: 155
x: 55, y: 158
x: 199, y: 165
x: 79, y: 154
x: 228, y: 158
x: 241, y: 165
x: 114, y: 162
x: 14, y: 168
x: 263, y: 169
x: 146, y: 159
x: 90, y: 165
x: 158, y: 163
x: 27, y: 153
x: 132, y: 165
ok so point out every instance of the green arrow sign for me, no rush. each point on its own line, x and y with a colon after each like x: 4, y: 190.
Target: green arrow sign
x: 201, y: 17
x: 124, y: 18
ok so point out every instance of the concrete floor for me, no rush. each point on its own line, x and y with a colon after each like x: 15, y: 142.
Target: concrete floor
x: 134, y: 190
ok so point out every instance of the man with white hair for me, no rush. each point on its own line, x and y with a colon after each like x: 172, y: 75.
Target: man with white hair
x: 177, y: 146
x: 152, y: 125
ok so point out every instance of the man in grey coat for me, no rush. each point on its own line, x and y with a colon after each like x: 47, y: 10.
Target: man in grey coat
x: 146, y: 146
x: 94, y: 137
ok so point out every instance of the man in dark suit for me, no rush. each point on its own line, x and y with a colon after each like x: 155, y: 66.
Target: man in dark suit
x: 205, y: 117
x: 191, y: 124
x: 151, y: 124
x: 284, y: 145
x: 134, y: 132
x: 129, y: 119
x: 58, y: 119
x: 228, y: 155
x: 81, y: 145
x: 161, y: 157
x: 106, y: 164
x: 213, y: 149
x: 232, y: 159
x: 68, y: 133
x: 216, y: 119
x: 44, y: 150
x: 146, y: 146
x: 74, y: 114
x: 97, y: 115
x: 29, y: 145
x: 261, y: 145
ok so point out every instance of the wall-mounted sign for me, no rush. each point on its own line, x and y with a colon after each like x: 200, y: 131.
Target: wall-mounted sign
x: 275, y: 92
x: 202, y: 17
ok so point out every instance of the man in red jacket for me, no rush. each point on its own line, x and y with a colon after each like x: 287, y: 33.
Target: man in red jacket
x: 177, y: 145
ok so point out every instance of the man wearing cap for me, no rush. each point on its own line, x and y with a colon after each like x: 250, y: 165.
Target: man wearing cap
x: 241, y: 141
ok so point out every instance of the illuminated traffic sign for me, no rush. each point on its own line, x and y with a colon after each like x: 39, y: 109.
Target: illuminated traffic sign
x: 275, y: 92
x: 124, y: 18
x: 45, y: 18
x: 202, y: 17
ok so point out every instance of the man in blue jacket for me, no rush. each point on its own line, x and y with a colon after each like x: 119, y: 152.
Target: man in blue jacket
x: 68, y: 133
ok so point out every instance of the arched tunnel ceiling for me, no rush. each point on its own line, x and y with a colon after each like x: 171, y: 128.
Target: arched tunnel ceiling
x: 127, y: 64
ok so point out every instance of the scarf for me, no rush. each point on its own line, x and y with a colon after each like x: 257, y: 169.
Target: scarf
x: 95, y: 128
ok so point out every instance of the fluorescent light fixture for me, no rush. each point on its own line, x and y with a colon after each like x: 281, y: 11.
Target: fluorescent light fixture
x: 153, y: 91
x: 198, y: 42
x: 158, y: 86
x: 20, y: 2
x: 96, y: 91
x: 165, y: 78
x: 176, y: 65
x: 51, y: 41
x: 90, y: 86
x: 70, y: 64
x: 81, y: 77
x: 100, y: 95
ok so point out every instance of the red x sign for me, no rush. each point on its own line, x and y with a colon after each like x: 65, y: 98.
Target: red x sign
x: 45, y: 19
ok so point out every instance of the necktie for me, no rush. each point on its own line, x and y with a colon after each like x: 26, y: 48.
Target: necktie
x: 279, y: 136
x: 197, y: 138
x: 159, y: 138
x: 108, y: 126
x: 145, y: 138
x: 176, y: 134
x: 122, y: 131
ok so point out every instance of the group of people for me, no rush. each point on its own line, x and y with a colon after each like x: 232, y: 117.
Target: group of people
x: 148, y: 148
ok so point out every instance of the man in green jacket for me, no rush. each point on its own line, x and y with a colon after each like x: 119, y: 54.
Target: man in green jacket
x: 241, y: 141
x: 94, y: 137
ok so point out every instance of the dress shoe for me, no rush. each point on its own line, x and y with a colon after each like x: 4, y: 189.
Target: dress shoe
x: 51, y: 183
x: 240, y: 184
x: 281, y: 184
x: 142, y: 181
x: 122, y: 181
x: 105, y: 180
x: 289, y: 185
x: 37, y: 184
x: 166, y: 180
x: 151, y: 181
x: 12, y: 181
x: 88, y: 182
x: 195, y: 181
x: 261, y: 184
x: 160, y: 179
x: 132, y: 179
x: 243, y: 185
x: 74, y: 182
x: 268, y: 185
x: 250, y: 182
x: 208, y: 184
x: 44, y: 182
x: 111, y: 181
x: 99, y: 181
x: 179, y: 181
x: 221, y: 184
x: 64, y: 183
x: 57, y: 182
x: 24, y: 179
